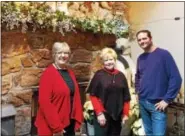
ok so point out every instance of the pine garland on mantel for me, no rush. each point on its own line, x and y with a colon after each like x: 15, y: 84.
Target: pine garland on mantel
x: 40, y: 16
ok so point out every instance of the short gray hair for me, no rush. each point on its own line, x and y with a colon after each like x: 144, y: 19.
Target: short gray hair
x: 60, y: 46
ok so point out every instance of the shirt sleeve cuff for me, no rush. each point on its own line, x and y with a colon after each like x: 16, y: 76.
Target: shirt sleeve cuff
x: 168, y: 101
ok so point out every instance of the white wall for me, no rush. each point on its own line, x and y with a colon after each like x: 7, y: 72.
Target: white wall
x: 167, y: 34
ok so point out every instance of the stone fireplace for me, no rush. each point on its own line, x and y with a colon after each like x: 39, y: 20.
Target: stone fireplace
x: 26, y: 55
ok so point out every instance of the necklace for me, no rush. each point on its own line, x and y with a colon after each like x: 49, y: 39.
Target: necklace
x: 59, y: 68
x: 56, y: 66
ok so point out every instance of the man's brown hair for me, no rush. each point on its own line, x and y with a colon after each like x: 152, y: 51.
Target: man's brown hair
x: 144, y: 31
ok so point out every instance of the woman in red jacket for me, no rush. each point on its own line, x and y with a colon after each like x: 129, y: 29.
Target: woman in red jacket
x: 60, y: 110
x: 110, y: 96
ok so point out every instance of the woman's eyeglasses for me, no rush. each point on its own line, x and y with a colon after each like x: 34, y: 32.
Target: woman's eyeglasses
x: 61, y: 52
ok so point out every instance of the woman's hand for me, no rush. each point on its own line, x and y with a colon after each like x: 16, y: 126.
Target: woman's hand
x: 101, y: 119
x: 125, y: 118
x: 59, y: 133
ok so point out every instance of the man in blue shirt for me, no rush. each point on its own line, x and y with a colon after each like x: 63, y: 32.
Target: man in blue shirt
x: 157, y: 83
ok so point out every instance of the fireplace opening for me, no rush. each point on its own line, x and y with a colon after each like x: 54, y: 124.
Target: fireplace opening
x: 34, y: 108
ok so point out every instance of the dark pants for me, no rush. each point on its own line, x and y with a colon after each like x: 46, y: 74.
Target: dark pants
x: 70, y: 130
x: 111, y: 128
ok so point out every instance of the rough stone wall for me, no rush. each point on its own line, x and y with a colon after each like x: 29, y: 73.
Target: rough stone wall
x: 25, y: 56
x: 175, y: 121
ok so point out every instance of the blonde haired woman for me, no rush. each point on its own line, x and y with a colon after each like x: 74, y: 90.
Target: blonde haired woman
x: 60, y: 109
x: 110, y: 96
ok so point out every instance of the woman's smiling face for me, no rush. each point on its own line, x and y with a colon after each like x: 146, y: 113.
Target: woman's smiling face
x: 109, y: 62
x: 62, y: 57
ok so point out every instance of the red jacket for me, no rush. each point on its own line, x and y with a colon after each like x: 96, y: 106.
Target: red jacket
x: 54, y: 102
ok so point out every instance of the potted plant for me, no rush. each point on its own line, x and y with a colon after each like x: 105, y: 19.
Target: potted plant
x: 88, y: 116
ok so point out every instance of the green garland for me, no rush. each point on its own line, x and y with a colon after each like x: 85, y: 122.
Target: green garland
x: 40, y: 16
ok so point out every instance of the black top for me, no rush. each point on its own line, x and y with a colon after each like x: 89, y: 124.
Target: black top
x: 112, y: 90
x: 67, y: 78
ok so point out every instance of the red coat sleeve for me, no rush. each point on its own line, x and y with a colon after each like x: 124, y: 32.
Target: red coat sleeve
x: 97, y: 104
x: 48, y: 109
x: 126, y: 107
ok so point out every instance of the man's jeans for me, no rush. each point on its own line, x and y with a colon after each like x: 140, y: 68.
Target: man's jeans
x: 154, y: 121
